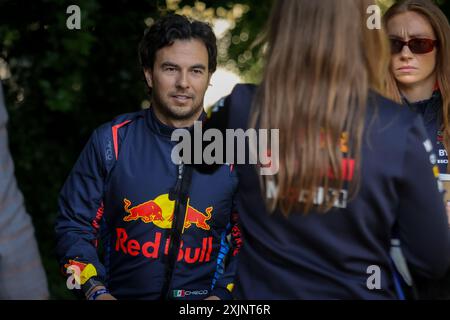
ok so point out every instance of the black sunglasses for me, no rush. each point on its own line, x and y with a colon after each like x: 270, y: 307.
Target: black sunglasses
x: 417, y: 45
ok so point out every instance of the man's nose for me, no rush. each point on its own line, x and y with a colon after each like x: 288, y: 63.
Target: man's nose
x: 183, y: 81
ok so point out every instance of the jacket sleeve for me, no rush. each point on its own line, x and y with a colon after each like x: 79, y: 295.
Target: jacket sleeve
x: 423, y: 226
x: 80, y: 210
x: 224, y: 284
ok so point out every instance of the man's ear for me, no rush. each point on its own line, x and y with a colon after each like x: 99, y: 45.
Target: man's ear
x: 149, y: 77
x: 209, y: 78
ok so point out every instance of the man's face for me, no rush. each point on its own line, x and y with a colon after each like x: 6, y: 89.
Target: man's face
x: 179, y: 80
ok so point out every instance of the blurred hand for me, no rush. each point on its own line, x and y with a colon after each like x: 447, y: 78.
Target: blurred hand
x: 105, y: 296
x: 216, y: 297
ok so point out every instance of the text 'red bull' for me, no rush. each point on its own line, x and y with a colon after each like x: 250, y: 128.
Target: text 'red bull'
x: 151, y: 249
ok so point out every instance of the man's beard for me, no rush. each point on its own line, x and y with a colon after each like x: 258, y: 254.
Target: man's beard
x: 177, y: 113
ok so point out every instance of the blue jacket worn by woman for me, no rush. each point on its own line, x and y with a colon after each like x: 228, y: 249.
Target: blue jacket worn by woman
x: 128, y: 210
x: 431, y: 112
x: 344, y: 253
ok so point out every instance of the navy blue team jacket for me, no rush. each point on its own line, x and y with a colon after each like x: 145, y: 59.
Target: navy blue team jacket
x: 431, y: 111
x: 332, y: 255
x: 128, y: 210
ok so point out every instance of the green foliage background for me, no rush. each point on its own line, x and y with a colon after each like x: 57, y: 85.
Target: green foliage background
x: 61, y: 84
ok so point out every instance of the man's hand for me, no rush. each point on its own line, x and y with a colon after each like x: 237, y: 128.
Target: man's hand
x: 105, y: 296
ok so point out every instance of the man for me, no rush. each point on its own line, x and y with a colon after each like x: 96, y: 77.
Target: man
x: 21, y: 273
x: 127, y: 192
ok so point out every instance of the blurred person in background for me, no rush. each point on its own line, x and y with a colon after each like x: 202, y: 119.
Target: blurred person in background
x: 22, y: 276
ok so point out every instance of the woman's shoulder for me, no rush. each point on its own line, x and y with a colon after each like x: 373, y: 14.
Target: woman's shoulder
x: 239, y: 104
x: 386, y: 111
x: 242, y: 95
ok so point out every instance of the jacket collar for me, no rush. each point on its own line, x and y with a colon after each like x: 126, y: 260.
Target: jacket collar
x: 427, y: 106
x: 160, y: 128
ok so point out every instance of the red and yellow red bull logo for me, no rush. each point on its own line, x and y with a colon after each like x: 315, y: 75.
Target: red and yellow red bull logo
x: 159, y: 211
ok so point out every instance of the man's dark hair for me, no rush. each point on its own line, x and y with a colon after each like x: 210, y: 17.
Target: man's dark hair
x: 175, y: 27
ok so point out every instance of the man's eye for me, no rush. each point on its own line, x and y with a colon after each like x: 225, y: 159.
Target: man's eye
x: 197, y: 71
x: 170, y: 69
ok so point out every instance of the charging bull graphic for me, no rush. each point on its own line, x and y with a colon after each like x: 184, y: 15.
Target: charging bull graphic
x: 148, y: 211
x: 159, y: 211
